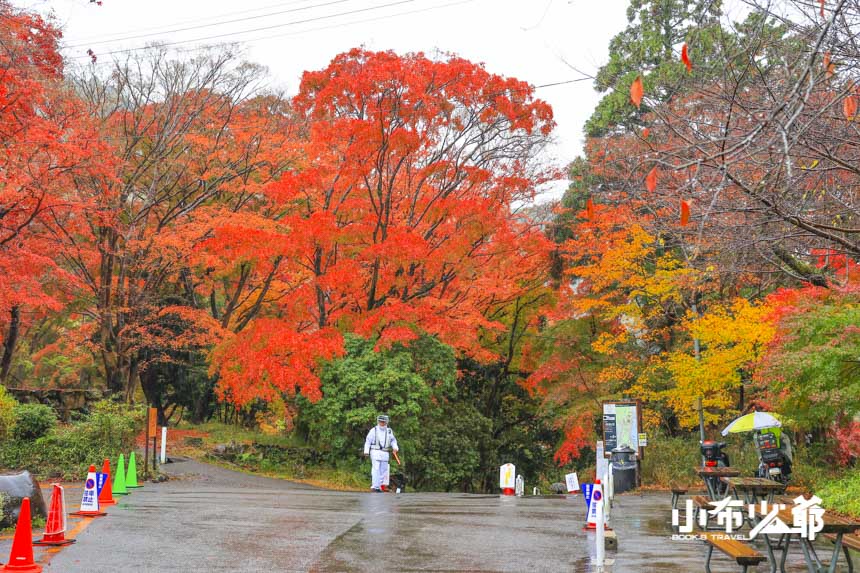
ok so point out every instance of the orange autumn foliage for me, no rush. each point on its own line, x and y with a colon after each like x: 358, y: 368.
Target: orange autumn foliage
x: 651, y: 180
x: 685, y: 212
x: 47, y: 142
x: 636, y: 92
x: 685, y: 57
x: 849, y: 107
x: 392, y: 222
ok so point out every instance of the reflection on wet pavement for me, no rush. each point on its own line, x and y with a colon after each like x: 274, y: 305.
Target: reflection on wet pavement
x: 227, y: 521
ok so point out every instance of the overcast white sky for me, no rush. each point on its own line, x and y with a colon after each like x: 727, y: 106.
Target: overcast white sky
x: 527, y: 39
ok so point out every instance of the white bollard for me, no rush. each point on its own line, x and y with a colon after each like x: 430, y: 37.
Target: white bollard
x: 607, y: 506
x: 611, y: 482
x: 163, y: 444
x: 600, y: 548
x: 520, y: 486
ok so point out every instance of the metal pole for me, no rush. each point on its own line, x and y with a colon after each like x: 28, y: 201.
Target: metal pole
x: 600, y: 541
x: 607, y: 499
x: 610, y: 480
x: 701, y: 424
x: 146, y: 447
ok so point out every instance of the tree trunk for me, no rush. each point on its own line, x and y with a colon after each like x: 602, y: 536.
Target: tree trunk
x: 9, y: 342
x: 131, y: 380
x: 152, y: 389
x: 204, y: 406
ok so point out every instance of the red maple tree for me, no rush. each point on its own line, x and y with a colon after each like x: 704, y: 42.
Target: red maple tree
x: 399, y: 215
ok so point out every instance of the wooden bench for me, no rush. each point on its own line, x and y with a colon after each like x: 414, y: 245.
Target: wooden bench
x: 702, y: 503
x: 677, y: 492
x: 849, y: 541
x: 788, y: 500
x: 743, y: 554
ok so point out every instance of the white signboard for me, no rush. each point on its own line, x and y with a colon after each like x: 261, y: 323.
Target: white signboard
x: 572, y: 482
x: 508, y: 476
x: 596, y: 497
x: 90, y: 498
x: 620, y: 425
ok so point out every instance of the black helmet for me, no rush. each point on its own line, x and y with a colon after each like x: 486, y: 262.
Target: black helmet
x: 382, y: 418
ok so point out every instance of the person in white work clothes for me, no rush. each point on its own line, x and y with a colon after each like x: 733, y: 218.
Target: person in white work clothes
x: 379, y: 442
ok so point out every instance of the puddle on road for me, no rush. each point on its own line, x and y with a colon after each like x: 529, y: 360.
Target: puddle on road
x: 486, y: 533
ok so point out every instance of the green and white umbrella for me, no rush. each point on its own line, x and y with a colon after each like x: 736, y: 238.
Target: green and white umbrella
x: 752, y: 422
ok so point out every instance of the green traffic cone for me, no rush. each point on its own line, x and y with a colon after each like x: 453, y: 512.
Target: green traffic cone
x: 131, y: 476
x: 119, y: 482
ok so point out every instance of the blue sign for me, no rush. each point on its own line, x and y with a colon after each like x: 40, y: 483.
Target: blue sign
x: 100, y: 481
x: 597, y: 495
x: 587, y: 488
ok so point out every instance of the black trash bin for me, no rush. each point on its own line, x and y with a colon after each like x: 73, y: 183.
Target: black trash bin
x: 623, y: 460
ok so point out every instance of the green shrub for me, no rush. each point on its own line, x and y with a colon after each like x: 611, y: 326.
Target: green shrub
x: 33, y: 421
x: 68, y: 451
x: 7, y: 413
x: 111, y: 426
x: 841, y: 494
x: 672, y: 460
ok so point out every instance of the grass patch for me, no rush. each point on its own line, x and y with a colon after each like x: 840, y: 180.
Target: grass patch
x: 282, y: 456
x: 220, y: 433
x: 841, y: 494
x: 37, y: 524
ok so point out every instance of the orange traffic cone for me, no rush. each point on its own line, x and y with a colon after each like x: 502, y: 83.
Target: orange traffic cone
x: 90, y: 499
x: 21, y: 558
x: 55, y: 527
x: 106, y: 495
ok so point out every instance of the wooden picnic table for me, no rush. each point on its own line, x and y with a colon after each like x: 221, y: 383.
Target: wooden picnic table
x: 751, y: 489
x: 712, y: 477
x: 834, y: 526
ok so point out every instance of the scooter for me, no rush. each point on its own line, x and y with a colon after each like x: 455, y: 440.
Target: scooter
x: 774, y: 463
x: 715, y: 457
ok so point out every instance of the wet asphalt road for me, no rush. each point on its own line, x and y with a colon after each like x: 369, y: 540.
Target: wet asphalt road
x: 210, y: 519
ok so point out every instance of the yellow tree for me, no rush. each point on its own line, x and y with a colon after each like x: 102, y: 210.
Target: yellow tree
x: 732, y: 338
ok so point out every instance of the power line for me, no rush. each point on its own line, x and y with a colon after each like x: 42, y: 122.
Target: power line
x: 86, y: 39
x: 354, y: 22
x: 269, y: 37
x: 213, y: 24
x: 262, y: 28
